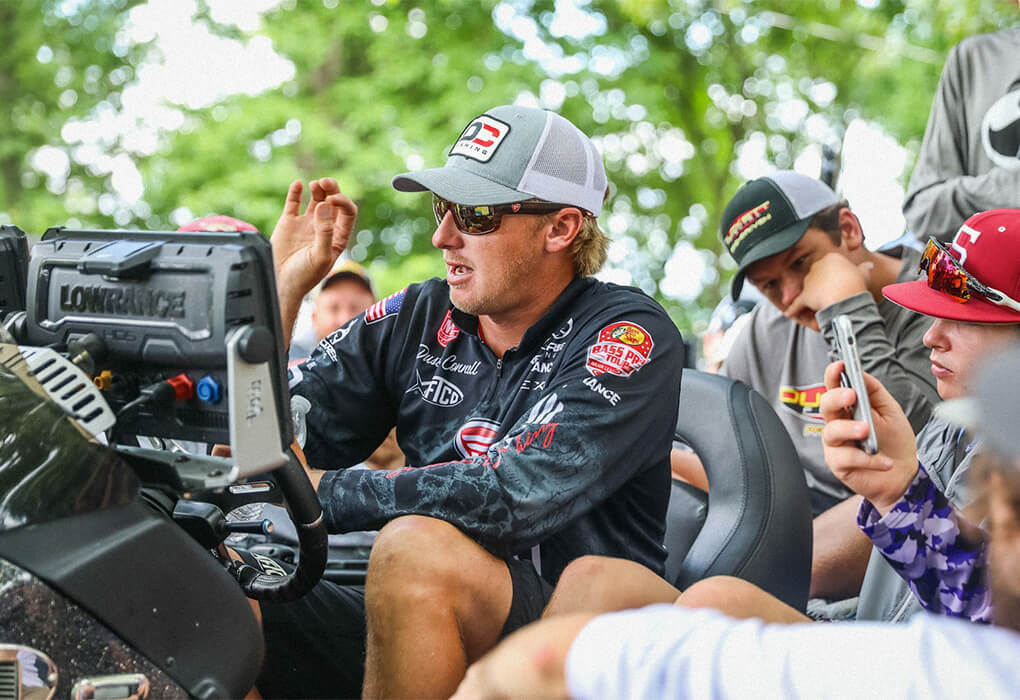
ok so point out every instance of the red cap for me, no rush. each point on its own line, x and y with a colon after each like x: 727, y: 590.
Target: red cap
x: 988, y: 247
x: 218, y: 223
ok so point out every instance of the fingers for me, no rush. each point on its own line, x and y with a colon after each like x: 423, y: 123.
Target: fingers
x: 323, y: 250
x: 321, y: 189
x: 881, y: 400
x: 836, y: 402
x: 345, y: 217
x: 796, y: 307
x: 841, y: 431
x: 846, y: 459
x: 833, y: 372
x: 292, y: 205
x: 800, y: 311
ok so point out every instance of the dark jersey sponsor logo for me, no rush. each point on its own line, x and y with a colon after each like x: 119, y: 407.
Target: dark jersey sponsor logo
x: 437, y: 391
x: 475, y: 437
x: 622, y: 348
x: 609, y: 395
x: 565, y: 331
x: 447, y: 332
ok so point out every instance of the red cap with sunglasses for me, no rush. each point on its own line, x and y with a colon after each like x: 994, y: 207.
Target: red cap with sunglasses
x: 975, y: 279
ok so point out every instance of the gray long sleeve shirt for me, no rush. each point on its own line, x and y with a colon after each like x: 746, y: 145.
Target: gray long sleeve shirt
x: 968, y: 160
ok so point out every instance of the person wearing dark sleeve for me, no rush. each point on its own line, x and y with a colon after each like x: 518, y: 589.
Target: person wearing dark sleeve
x: 970, y: 156
x: 535, y: 406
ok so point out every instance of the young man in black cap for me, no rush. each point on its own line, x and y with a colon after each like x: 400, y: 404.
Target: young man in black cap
x: 535, y: 403
x: 803, y: 248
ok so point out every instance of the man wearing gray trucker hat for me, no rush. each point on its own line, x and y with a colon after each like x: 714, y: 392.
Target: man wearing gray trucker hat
x: 535, y: 404
x: 803, y: 248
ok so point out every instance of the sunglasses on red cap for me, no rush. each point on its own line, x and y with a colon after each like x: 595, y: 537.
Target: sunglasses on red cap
x: 486, y: 218
x: 946, y: 275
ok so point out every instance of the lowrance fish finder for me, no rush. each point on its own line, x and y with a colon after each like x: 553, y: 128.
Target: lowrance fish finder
x: 178, y: 332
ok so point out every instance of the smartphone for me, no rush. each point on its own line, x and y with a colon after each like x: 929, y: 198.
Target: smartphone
x: 853, y: 377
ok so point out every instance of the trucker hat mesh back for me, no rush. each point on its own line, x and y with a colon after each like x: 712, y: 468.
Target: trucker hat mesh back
x: 806, y: 195
x: 564, y: 168
x: 562, y: 154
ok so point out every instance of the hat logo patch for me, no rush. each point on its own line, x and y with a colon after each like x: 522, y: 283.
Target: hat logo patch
x: 480, y: 139
x: 957, y: 244
x: 747, y: 222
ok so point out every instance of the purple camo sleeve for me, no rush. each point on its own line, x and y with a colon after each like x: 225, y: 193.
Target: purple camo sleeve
x: 921, y: 539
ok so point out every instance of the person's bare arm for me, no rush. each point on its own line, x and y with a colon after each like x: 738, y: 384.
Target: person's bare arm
x: 840, y: 552
x: 686, y: 466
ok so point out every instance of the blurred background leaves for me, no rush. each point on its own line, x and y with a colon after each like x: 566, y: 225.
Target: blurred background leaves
x: 121, y: 113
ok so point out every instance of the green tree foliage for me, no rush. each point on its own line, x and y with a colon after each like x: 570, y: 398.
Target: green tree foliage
x: 673, y: 91
x: 379, y: 89
x: 718, y: 74
x: 59, y: 62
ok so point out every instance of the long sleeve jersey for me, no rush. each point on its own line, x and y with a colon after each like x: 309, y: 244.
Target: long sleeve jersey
x: 560, y: 448
x: 940, y: 556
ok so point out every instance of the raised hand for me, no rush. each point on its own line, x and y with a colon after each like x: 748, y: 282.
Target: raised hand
x: 881, y: 478
x: 305, y: 246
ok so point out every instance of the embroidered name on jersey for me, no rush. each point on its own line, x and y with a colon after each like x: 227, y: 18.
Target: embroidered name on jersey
x: 622, y: 348
x: 385, y: 307
x: 803, y: 400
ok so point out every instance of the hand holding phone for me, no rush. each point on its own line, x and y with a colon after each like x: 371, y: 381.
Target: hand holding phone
x: 853, y: 377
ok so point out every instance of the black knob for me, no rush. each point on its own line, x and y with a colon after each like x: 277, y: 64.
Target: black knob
x: 255, y: 345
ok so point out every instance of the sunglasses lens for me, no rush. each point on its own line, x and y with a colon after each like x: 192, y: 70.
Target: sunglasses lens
x: 477, y: 219
x: 944, y: 273
x: 439, y: 208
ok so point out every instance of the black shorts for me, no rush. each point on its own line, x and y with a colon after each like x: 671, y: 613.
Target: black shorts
x: 531, y: 594
x: 315, y: 646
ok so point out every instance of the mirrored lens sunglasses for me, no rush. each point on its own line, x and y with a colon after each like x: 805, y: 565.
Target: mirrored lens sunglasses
x: 946, y: 275
x: 486, y: 218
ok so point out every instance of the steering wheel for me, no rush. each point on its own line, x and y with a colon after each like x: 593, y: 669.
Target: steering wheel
x: 312, y: 540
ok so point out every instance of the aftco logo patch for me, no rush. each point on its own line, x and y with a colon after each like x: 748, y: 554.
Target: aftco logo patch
x: 480, y: 139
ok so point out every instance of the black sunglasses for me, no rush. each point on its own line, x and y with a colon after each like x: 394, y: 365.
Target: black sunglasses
x: 486, y: 218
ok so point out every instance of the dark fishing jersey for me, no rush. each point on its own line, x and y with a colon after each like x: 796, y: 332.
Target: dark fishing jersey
x: 556, y: 450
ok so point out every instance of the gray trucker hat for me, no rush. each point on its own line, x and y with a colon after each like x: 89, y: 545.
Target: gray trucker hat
x: 512, y: 154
